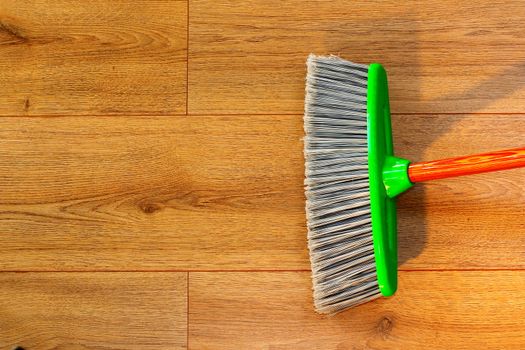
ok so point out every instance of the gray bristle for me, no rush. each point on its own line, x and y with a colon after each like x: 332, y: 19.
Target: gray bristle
x: 337, y: 188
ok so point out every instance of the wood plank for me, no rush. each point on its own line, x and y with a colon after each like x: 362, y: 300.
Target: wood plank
x: 93, y: 311
x: 432, y: 310
x: 151, y: 193
x: 78, y: 58
x: 93, y: 193
x: 455, y: 56
x: 483, y: 214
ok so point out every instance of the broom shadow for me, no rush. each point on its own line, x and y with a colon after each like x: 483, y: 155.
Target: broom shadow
x: 401, y: 60
x: 412, y: 229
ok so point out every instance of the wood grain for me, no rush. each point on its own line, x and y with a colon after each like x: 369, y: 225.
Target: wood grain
x: 151, y: 193
x: 437, y: 310
x: 167, y: 193
x: 82, y: 311
x: 103, y: 208
x: 448, y: 56
x: 482, y: 214
x: 72, y: 57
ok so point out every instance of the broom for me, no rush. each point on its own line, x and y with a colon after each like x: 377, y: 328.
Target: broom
x: 352, y: 179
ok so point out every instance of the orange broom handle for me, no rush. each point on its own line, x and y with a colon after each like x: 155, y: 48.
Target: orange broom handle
x: 475, y: 164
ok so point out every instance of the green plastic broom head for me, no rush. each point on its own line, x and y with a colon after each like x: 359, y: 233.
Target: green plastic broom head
x: 388, y: 178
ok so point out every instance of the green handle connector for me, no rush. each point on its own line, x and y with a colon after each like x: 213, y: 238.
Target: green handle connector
x: 395, y: 176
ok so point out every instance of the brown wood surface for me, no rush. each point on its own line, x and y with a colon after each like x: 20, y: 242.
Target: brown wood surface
x: 147, y: 142
x: 432, y: 310
x: 464, y: 222
x: 92, y: 57
x: 226, y: 193
x: 80, y: 311
x: 152, y: 193
x: 447, y: 56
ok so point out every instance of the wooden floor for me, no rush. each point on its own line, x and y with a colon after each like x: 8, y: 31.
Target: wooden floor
x: 151, y: 173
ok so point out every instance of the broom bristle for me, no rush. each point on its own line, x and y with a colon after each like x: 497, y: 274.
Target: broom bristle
x: 337, y: 188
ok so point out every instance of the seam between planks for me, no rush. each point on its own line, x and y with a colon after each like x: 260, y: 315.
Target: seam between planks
x: 187, y: 55
x: 188, y: 310
x: 227, y: 114
x: 252, y: 270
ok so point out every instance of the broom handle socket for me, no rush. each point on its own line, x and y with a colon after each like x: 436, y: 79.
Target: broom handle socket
x: 475, y: 164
